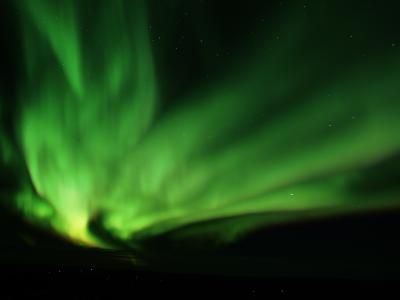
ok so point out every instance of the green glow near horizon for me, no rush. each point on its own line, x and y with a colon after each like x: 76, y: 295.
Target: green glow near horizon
x: 95, y: 143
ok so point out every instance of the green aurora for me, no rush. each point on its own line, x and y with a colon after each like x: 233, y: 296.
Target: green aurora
x: 283, y: 130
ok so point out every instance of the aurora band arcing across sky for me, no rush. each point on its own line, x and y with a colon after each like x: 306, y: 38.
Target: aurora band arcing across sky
x: 95, y: 143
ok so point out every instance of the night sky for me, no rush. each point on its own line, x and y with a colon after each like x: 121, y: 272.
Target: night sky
x: 208, y: 140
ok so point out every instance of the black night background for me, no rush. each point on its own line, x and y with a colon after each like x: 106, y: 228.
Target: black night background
x: 244, y: 148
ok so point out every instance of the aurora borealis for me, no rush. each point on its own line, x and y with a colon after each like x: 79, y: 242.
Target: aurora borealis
x: 127, y: 119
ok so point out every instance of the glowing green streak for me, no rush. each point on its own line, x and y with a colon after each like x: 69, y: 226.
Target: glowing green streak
x: 93, y: 146
x: 76, y: 91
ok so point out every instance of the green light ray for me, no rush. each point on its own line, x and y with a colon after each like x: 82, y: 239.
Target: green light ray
x: 95, y: 143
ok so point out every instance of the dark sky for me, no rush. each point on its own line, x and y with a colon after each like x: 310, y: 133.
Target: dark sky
x: 359, y: 246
